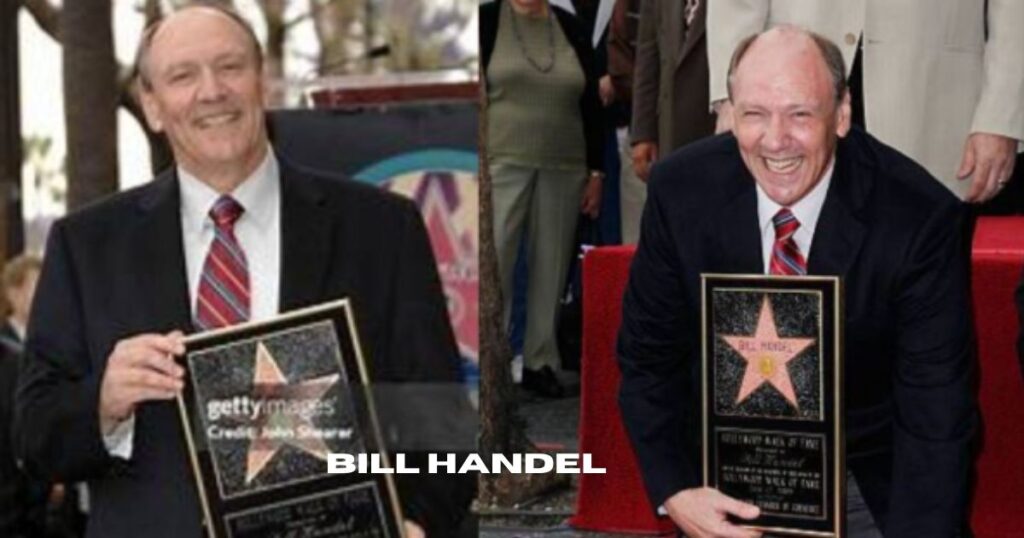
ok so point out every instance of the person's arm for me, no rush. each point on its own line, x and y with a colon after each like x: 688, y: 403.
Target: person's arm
x: 57, y: 422
x: 650, y: 354
x: 646, y: 71
x: 621, y: 51
x: 428, y: 401
x: 997, y: 127
x: 646, y: 76
x: 934, y: 403
x: 728, y: 22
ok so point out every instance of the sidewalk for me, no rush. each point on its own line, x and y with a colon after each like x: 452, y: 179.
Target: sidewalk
x: 552, y: 425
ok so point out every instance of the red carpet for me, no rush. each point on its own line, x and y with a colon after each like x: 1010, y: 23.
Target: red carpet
x: 616, y: 502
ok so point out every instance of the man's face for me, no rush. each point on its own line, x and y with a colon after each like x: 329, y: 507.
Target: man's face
x: 206, y: 90
x: 786, y: 117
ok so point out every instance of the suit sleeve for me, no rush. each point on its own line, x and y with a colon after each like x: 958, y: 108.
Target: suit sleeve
x: 57, y: 428
x: 429, y: 403
x: 729, y: 21
x: 649, y: 350
x: 935, y: 409
x: 1000, y: 108
x: 646, y: 76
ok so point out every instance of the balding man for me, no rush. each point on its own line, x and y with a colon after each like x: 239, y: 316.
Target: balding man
x: 124, y: 279
x: 866, y: 214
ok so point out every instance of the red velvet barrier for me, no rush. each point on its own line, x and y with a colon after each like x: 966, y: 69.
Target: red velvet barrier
x: 616, y: 502
x: 612, y: 502
x: 998, y: 507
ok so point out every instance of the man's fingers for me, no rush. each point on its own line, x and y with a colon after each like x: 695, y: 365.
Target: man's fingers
x: 138, y: 377
x: 728, y: 530
x: 967, y: 161
x: 983, y: 185
x: 979, y: 182
x: 735, y: 507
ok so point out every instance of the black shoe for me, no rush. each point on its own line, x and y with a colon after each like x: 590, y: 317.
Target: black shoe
x: 542, y: 382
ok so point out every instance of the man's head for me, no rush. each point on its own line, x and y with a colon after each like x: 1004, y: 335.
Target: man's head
x: 790, y: 106
x: 19, y: 281
x: 200, y: 82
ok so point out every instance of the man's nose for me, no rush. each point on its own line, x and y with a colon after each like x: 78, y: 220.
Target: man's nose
x: 777, y: 133
x: 211, y: 88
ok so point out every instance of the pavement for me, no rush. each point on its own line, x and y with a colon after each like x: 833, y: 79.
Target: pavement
x: 552, y: 425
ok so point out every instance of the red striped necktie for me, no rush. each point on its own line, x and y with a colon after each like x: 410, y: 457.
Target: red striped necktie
x: 223, y: 297
x: 786, y: 257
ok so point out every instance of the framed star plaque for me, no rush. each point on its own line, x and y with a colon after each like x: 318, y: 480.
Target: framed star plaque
x: 263, y: 406
x: 773, y: 399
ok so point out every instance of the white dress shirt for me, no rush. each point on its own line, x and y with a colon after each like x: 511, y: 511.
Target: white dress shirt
x: 806, y: 210
x: 258, y: 230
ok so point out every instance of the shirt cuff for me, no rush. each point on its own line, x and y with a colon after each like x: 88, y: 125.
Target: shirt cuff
x: 119, y: 440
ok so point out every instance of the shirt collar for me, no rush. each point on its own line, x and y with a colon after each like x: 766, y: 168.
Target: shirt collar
x: 258, y: 194
x: 806, y: 210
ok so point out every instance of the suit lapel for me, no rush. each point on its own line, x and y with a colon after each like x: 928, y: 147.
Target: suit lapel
x: 305, y: 240
x: 162, y: 261
x: 840, y: 233
x: 738, y: 232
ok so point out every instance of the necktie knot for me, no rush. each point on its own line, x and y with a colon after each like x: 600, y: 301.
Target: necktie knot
x: 225, y: 211
x: 785, y: 224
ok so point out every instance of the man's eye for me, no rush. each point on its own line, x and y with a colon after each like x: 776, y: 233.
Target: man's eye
x: 179, y: 77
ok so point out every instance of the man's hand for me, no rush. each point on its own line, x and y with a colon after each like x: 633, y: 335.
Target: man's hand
x: 723, y: 113
x: 412, y: 530
x: 701, y: 513
x: 591, y: 204
x: 644, y: 153
x: 140, y: 368
x: 605, y: 90
x: 988, y: 160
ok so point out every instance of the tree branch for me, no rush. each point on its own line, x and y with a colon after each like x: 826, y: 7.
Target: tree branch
x: 46, y: 15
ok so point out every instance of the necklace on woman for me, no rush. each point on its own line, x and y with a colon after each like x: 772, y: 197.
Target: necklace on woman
x: 522, y: 45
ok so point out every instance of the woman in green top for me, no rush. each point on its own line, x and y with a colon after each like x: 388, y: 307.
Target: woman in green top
x: 544, y: 146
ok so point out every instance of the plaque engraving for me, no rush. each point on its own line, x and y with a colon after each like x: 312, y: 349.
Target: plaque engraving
x: 772, y: 399
x: 263, y: 406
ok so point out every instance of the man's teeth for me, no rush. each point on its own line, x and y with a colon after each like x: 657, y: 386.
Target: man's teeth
x: 782, y: 165
x: 217, y: 119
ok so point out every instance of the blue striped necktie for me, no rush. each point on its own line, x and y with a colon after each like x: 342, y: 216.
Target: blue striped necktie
x: 223, y: 296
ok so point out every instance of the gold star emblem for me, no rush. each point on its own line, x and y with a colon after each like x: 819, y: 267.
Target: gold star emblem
x: 767, y: 356
x: 277, y: 426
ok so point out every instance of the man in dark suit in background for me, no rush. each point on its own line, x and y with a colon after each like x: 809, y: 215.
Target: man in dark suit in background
x: 670, y: 80
x: 231, y: 233
x: 863, y: 212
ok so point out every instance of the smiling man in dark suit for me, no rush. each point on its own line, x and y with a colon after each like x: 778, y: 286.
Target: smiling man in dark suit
x: 231, y: 233
x: 862, y: 211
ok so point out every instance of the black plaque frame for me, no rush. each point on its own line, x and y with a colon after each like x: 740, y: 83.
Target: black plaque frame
x: 739, y: 432
x: 279, y: 508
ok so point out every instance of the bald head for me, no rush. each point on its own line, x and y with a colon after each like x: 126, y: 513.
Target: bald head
x: 186, y: 19
x: 799, y: 47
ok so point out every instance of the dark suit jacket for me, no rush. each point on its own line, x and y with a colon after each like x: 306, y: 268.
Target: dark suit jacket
x: 117, y: 269
x: 894, y: 235
x: 10, y: 476
x: 576, y: 32
x: 670, y: 78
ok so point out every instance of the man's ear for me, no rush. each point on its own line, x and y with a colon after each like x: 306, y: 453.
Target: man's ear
x: 844, y: 115
x: 150, y: 107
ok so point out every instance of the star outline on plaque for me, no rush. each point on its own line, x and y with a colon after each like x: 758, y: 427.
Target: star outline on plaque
x: 767, y: 356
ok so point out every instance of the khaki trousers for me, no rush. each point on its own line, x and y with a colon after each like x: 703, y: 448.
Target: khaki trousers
x: 545, y: 203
